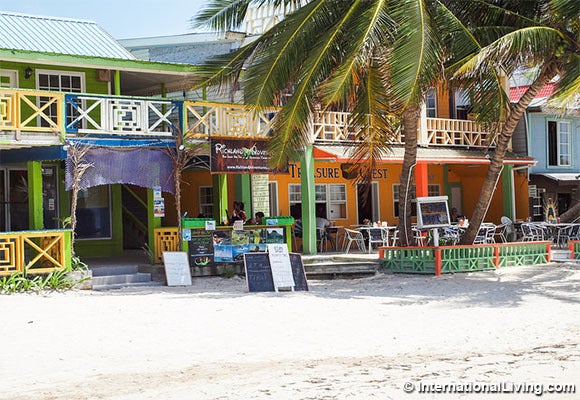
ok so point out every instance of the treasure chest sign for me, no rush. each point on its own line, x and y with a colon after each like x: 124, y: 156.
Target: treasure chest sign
x: 240, y: 156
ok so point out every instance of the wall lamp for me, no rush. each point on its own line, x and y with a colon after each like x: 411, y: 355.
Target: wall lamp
x: 27, y: 72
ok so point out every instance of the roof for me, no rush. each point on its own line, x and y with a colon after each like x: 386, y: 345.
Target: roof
x: 58, y: 35
x: 516, y: 92
x: 562, y: 176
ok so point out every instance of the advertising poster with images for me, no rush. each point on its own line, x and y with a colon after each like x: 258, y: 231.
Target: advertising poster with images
x: 240, y: 156
x: 275, y: 235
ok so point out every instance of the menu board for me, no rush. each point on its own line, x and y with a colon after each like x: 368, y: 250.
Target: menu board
x: 176, y: 268
x: 200, y: 248
x: 432, y: 212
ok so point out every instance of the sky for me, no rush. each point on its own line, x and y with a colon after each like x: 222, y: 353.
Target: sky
x: 121, y: 18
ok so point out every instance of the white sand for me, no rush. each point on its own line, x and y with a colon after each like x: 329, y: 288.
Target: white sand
x: 345, y: 339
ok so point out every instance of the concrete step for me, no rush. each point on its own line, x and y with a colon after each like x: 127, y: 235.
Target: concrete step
x: 561, y: 255
x: 106, y: 270
x: 332, y: 270
x: 124, y: 285
x: 121, y: 279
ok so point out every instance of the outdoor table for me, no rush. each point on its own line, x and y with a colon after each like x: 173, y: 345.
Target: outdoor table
x: 557, y: 229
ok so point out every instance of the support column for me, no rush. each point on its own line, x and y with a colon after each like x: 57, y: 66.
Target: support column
x: 35, y: 211
x: 244, y: 192
x: 220, y: 197
x: 507, y: 183
x: 422, y: 180
x: 446, y: 186
x: 152, y: 221
x: 117, y: 83
x: 308, y: 201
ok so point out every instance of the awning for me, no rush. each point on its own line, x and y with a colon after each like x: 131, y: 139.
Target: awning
x: 563, y: 176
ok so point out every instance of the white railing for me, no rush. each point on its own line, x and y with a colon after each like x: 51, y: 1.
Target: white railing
x: 205, y: 120
x: 332, y: 126
x: 456, y: 132
x: 121, y: 116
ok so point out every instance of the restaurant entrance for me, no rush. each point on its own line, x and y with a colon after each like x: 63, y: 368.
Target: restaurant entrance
x: 368, y: 202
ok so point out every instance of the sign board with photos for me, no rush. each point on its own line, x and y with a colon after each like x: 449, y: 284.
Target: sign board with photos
x: 432, y: 212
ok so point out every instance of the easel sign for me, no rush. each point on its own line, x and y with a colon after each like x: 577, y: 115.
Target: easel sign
x: 280, y: 265
x: 259, y: 274
x: 176, y: 268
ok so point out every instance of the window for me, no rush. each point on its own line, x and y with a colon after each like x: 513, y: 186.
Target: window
x: 206, y: 201
x: 94, y: 213
x: 330, y: 198
x: 431, y: 103
x: 559, y: 144
x: 55, y: 81
x: 432, y: 190
x: 462, y: 104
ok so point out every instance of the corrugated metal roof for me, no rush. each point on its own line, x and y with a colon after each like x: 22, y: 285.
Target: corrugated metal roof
x: 58, y: 35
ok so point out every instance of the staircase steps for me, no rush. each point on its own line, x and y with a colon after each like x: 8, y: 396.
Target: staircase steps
x: 340, y: 266
x: 119, y: 275
x: 562, y: 255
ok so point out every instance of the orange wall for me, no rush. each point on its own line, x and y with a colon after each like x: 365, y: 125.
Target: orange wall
x: 469, y: 177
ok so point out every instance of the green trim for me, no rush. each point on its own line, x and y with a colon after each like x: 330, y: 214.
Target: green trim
x: 106, y: 247
x: 152, y: 221
x: 220, y: 197
x: 308, y: 201
x: 508, y: 194
x: 446, y: 185
x: 67, y: 248
x: 244, y: 192
x: 93, y: 62
x: 117, y: 83
x: 35, y: 209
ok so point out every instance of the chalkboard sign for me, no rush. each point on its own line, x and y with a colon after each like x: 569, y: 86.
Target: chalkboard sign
x: 176, y: 268
x: 200, y: 248
x: 259, y: 274
x: 300, y: 282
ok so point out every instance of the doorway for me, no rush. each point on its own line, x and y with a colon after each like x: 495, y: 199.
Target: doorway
x: 367, y: 199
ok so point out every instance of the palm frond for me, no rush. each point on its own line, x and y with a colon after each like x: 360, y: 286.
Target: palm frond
x: 222, y: 15
x: 417, y: 55
x: 291, y: 126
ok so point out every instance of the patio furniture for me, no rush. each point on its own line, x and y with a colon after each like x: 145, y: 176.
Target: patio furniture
x: 352, y: 236
x: 378, y: 236
x: 486, y: 234
x: 531, y: 232
x: 506, y: 230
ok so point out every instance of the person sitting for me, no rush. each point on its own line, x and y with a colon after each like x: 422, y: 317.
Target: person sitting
x: 258, y: 219
x: 239, y: 213
x: 454, y: 217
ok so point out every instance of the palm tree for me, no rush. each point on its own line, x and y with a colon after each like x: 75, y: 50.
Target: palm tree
x: 372, y: 58
x: 543, y: 35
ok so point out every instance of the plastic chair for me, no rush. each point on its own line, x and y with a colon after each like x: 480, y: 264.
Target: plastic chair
x: 379, y: 236
x: 321, y: 239
x: 352, y: 236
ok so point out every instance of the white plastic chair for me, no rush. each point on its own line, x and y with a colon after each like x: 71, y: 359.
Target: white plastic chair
x: 352, y: 236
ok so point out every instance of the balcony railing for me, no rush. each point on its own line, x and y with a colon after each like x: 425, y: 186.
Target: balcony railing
x: 40, y: 118
x: 205, y: 120
x: 34, y: 252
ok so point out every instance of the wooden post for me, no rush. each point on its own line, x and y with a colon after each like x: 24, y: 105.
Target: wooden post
x: 308, y: 201
x: 35, y: 210
x: 438, y: 262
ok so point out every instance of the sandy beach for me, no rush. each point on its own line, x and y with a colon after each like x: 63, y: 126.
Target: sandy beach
x: 367, y: 338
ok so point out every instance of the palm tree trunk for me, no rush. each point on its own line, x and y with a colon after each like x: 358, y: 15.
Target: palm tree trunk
x: 572, y: 214
x: 410, y: 121
x: 493, y: 173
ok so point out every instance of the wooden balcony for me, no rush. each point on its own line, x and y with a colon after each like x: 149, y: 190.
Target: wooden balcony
x: 36, y: 118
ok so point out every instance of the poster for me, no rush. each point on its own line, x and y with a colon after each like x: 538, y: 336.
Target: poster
x: 159, y: 208
x: 432, y: 212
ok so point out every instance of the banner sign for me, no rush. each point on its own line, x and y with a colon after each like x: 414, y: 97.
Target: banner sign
x: 240, y: 156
